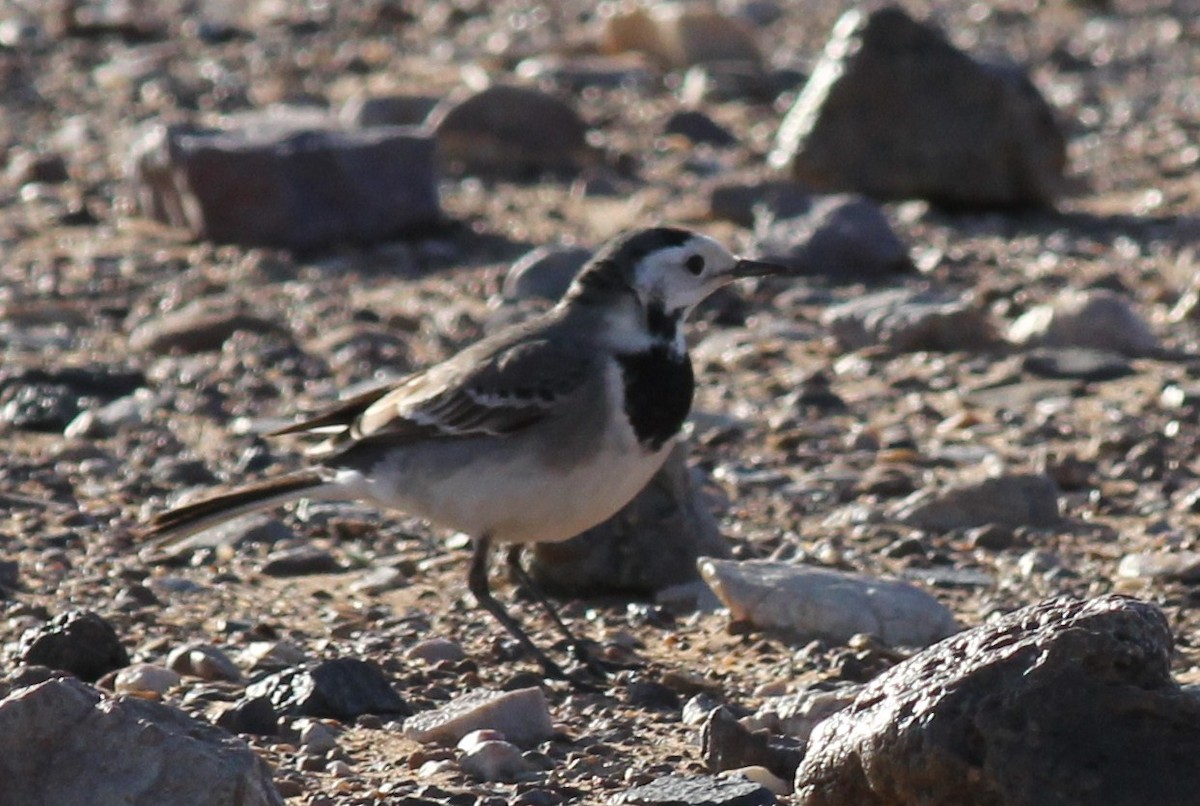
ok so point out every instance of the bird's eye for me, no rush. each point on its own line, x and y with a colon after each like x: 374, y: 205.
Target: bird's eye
x: 694, y: 264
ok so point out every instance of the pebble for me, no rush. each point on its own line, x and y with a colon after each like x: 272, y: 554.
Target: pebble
x: 522, y: 715
x: 77, y: 641
x: 316, y: 737
x: 436, y: 650
x: 812, y: 602
x: 253, y: 715
x: 1079, y: 363
x: 678, y: 35
x: 204, y: 661
x: 200, y: 326
x: 1096, y: 319
x: 1183, y: 566
x: 145, y: 680
x: 487, y: 756
x: 300, y: 561
x: 906, y: 320
x: 726, y: 744
x: 796, y: 715
x: 763, y: 777
x: 1011, y: 500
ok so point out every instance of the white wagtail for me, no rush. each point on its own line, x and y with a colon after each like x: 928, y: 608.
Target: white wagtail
x: 535, y: 433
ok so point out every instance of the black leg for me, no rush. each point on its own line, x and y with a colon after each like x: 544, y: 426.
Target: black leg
x: 522, y: 578
x: 477, y: 583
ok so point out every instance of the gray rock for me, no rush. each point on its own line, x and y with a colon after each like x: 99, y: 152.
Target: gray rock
x: 1013, y: 500
x: 300, y: 561
x: 509, y: 131
x: 544, y: 273
x: 301, y: 185
x: 1060, y: 702
x: 342, y: 689
x: 200, y: 326
x: 254, y: 528
x: 204, y: 661
x: 436, y: 650
x: 1183, y: 566
x: 807, y: 602
x: 906, y: 320
x: 743, y: 202
x: 894, y: 111
x: 49, y: 399
x: 727, y: 745
x: 61, y: 741
x: 699, y: 128
x: 698, y: 790
x: 494, y: 760
x: 796, y: 715
x: 1078, y: 363
x: 521, y: 715
x: 79, y: 642
x: 1097, y: 319
x: 840, y: 236
x: 363, y: 111
x: 649, y: 545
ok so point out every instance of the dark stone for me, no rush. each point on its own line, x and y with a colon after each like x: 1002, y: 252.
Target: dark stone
x: 79, y: 642
x: 1063, y: 702
x: 388, y: 110
x: 1078, y: 363
x: 698, y: 790
x: 652, y: 695
x: 295, y: 183
x: 699, y: 128
x: 893, y: 110
x: 341, y: 689
x: 743, y: 202
x: 253, y: 715
x: 300, y: 561
x: 727, y: 745
x: 35, y: 399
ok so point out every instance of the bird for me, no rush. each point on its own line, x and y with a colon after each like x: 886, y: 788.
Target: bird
x: 535, y: 433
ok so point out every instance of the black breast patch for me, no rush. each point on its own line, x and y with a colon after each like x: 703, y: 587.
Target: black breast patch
x: 658, y: 393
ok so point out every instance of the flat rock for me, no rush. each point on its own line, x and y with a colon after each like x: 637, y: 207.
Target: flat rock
x: 1096, y: 319
x: 839, y: 236
x: 698, y: 790
x: 1061, y: 702
x: 79, y: 642
x: 808, y: 602
x: 294, y: 183
x: 342, y: 689
x: 651, y: 544
x: 893, y: 110
x: 678, y: 35
x: 1013, y: 500
x: 727, y: 745
x: 509, y: 131
x: 62, y: 741
x: 906, y: 320
x: 200, y: 326
x: 300, y: 561
x: 1079, y: 363
x: 521, y: 715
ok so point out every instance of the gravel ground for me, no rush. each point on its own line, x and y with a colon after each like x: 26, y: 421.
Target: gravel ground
x: 81, y: 272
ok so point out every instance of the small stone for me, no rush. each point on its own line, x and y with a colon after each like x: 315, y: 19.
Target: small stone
x: 522, y: 715
x: 79, y: 642
x: 436, y: 650
x: 796, y: 715
x: 200, y: 326
x: 764, y: 778
x: 494, y: 760
x: 1096, y: 319
x: 678, y: 35
x: 743, y: 203
x: 1013, y: 500
x: 698, y: 790
x: 699, y: 128
x: 145, y: 680
x: 811, y: 602
x: 251, y: 715
x: 1077, y: 363
x: 727, y: 745
x: 1183, y: 566
x: 991, y: 537
x: 300, y: 561
x: 364, y: 111
x: 910, y: 321
x: 204, y: 661
x: 380, y: 580
x: 544, y: 273
x: 340, y: 689
x: 316, y: 737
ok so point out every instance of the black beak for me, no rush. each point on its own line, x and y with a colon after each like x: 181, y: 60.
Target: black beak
x: 757, y: 268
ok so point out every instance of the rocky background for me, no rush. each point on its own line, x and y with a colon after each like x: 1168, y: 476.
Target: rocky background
x: 924, y: 473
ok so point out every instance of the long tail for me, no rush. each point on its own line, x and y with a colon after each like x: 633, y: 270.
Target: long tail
x: 168, y: 530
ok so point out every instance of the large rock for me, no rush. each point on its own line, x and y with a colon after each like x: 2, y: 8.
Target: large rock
x: 1063, y: 702
x: 1097, y: 319
x: 894, y: 111
x: 63, y: 742
x: 299, y: 183
x: 651, y: 544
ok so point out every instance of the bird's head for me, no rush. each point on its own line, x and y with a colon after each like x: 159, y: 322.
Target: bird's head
x: 668, y: 271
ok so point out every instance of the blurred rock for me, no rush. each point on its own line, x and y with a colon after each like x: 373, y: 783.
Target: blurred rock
x: 578, y: 72
x: 1097, y: 319
x: 651, y: 544
x: 894, y: 111
x: 1013, y: 500
x: 145, y: 680
x: 807, y: 602
x: 199, y: 326
x: 511, y: 132
x: 342, y: 689
x: 699, y: 129
x: 300, y: 561
x: 436, y: 650
x: 680, y: 35
x: 698, y: 790
x: 521, y: 715
x: 1183, y: 566
x: 1060, y: 702
x: 253, y: 715
x: 37, y: 399
x: 63, y: 742
x: 544, y: 273
x: 253, y: 528
x: 743, y: 202
x: 906, y: 320
x: 365, y: 111
x: 277, y: 181
x: 1079, y: 363
x: 79, y: 642
x: 842, y: 236
x: 493, y: 760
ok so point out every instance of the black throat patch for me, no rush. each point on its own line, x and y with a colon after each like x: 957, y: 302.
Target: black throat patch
x: 658, y: 393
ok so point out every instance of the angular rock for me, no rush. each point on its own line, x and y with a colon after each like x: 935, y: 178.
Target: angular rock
x: 1013, y: 500
x: 297, y: 184
x: 521, y: 715
x: 894, y: 111
x: 698, y: 790
x: 341, y: 689
x: 61, y: 741
x: 651, y: 544
x: 680, y: 35
x: 744, y: 202
x: 807, y: 602
x: 726, y: 745
x: 905, y: 320
x: 79, y: 642
x: 509, y: 131
x: 1061, y: 702
x: 1097, y: 319
x: 200, y: 326
x: 544, y: 273
x: 839, y: 236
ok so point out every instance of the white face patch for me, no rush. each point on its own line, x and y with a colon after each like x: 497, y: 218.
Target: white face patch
x: 680, y: 277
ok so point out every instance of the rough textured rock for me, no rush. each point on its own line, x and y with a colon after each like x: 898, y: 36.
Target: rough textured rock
x: 698, y: 790
x: 840, y: 236
x: 910, y: 321
x: 819, y: 602
x: 893, y: 110
x: 295, y: 184
x: 650, y: 544
x: 1098, y: 319
x: 1014, y: 500
x: 61, y: 741
x: 509, y: 131
x: 1063, y: 702
x: 727, y: 745
x: 79, y: 642
x: 341, y: 689
x: 522, y: 716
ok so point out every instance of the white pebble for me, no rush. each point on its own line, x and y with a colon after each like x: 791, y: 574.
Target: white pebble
x: 145, y: 680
